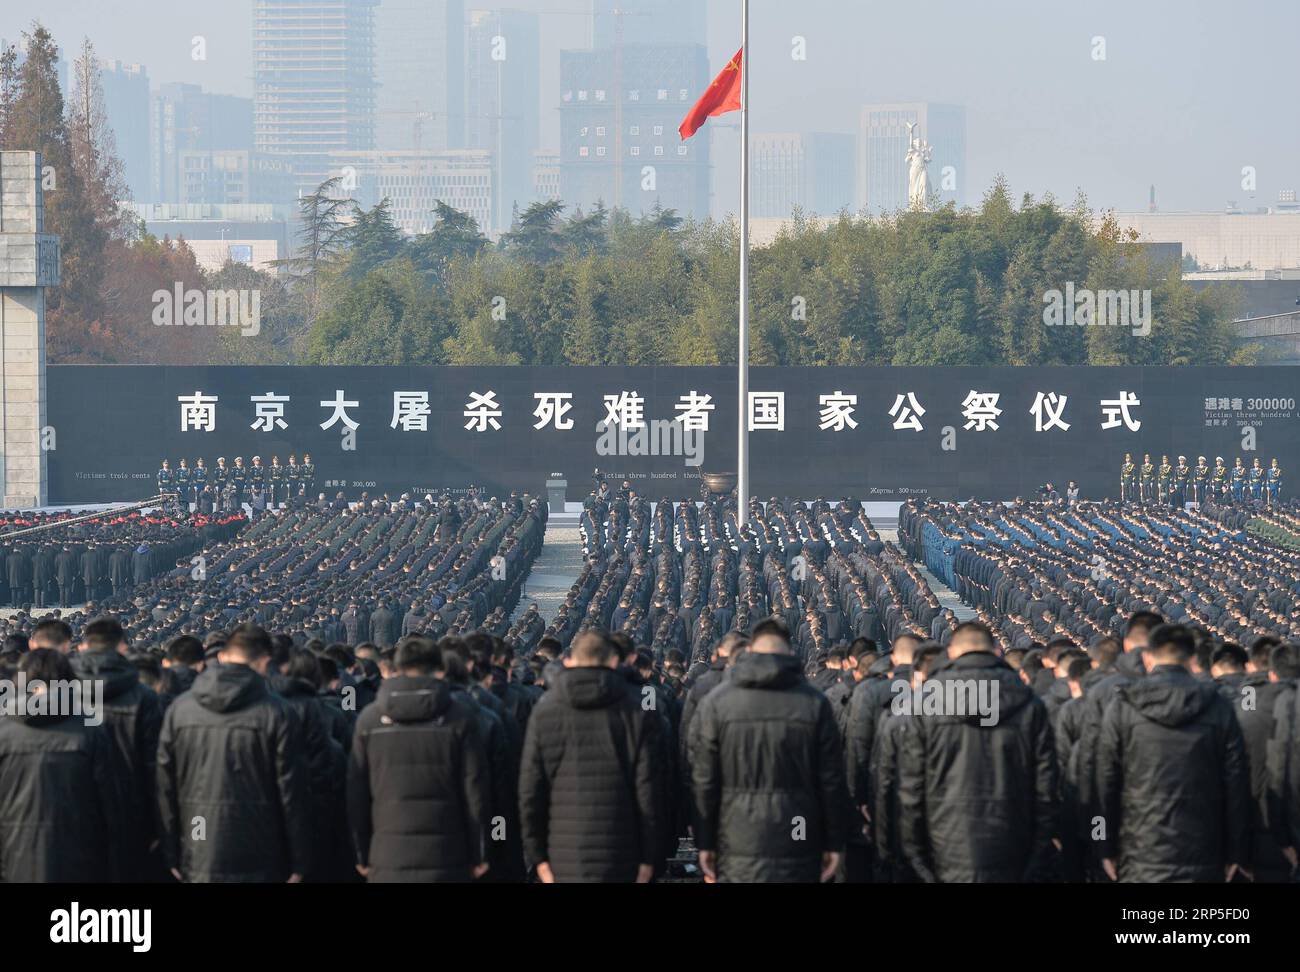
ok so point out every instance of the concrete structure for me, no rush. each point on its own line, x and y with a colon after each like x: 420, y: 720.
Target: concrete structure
x: 503, y: 64
x: 29, y: 262
x: 648, y: 22
x: 313, y: 82
x: 882, y: 153
x: 187, y: 124
x: 420, y: 72
x: 1224, y: 241
x: 254, y: 234
x: 413, y: 182
x: 546, y: 177
x: 814, y: 172
x: 1278, y: 336
x: 619, y: 112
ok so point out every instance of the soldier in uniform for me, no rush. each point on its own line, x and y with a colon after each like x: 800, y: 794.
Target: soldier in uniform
x: 1127, y: 479
x: 1256, y: 480
x: 1147, y: 479
x: 198, y: 477
x: 239, y: 479
x: 1238, y: 481
x: 1164, y: 480
x: 181, y: 478
x: 277, y: 478
x: 1200, y: 481
x: 165, y: 477
x: 220, y: 476
x: 292, y: 479
x: 1182, y: 479
x: 1219, y: 479
x: 308, y: 472
x: 257, y: 476
x: 1273, y: 483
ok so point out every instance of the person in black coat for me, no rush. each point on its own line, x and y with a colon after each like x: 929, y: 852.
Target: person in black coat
x: 132, y: 715
x: 65, y: 574
x: 56, y: 787
x: 977, y: 786
x: 767, y: 771
x: 1172, y: 778
x: 231, y: 769
x: 589, y: 798
x: 417, y: 782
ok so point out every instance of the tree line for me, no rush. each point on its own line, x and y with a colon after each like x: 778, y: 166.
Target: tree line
x: 602, y: 287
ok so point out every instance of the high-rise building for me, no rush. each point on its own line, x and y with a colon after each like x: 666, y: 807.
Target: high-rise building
x: 420, y: 70
x: 185, y: 120
x: 647, y: 22
x: 503, y: 64
x: 413, y: 182
x: 126, y: 106
x: 546, y: 178
x: 882, y: 153
x: 814, y: 172
x: 313, y: 82
x: 619, y: 113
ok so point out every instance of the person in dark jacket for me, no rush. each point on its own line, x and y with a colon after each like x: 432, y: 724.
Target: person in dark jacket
x: 56, y: 785
x: 132, y: 716
x: 417, y: 782
x: 589, y: 796
x: 1173, y: 783
x: 181, y: 663
x: 233, y: 789
x: 767, y: 771
x: 977, y: 789
x: 725, y: 652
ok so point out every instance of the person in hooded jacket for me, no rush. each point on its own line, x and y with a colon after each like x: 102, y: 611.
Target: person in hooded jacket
x: 231, y: 757
x: 589, y: 800
x: 977, y: 788
x: 182, y: 661
x: 417, y: 781
x: 767, y: 771
x: 57, y: 791
x: 1173, y: 783
x: 133, y: 718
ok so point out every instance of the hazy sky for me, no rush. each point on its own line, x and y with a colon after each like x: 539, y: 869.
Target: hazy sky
x: 1189, y: 93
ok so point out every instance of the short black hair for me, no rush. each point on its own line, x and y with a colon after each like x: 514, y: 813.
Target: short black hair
x: 1285, y: 661
x: 1231, y: 656
x: 1143, y: 621
x: 250, y: 640
x: 185, y: 650
x: 418, y: 653
x: 1172, y: 639
x: 977, y: 627
x: 593, y: 647
x: 772, y: 626
x: 103, y: 634
x: 55, y: 629
x: 1261, y: 650
x: 46, y: 664
x: 1078, y: 668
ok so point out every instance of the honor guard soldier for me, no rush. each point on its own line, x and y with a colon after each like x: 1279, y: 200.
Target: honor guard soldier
x: 1255, y: 478
x: 1238, y: 481
x: 1273, y: 483
x: 181, y: 479
x: 257, y: 475
x: 198, y: 477
x: 239, y: 479
x: 277, y: 478
x: 1200, y: 481
x: 165, y: 478
x: 1219, y: 479
x: 292, y: 479
x: 1182, y: 480
x: 1147, y: 479
x: 1164, y: 481
x: 220, y: 475
x: 308, y: 472
x: 1128, y: 480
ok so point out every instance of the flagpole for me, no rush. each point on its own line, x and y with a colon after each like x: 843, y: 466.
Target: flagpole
x: 742, y: 443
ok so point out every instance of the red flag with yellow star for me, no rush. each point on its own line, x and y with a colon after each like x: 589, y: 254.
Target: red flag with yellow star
x: 722, y: 96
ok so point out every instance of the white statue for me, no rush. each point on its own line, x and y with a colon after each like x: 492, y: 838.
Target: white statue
x: 919, y: 155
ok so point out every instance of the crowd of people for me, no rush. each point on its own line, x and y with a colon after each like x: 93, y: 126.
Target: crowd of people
x: 228, y: 487
x: 1176, y: 484
x: 352, y: 694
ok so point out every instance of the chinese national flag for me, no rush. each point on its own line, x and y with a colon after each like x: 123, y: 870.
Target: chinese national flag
x: 723, y: 96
